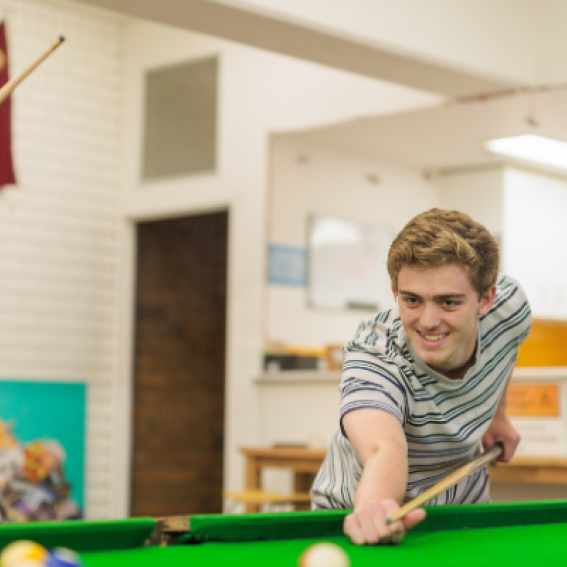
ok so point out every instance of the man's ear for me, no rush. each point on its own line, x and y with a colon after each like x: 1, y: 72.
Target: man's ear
x: 487, y: 300
x: 395, y: 297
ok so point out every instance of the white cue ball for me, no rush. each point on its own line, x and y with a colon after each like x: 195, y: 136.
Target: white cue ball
x: 324, y: 555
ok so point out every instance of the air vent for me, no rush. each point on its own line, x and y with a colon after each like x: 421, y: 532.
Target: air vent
x: 180, y: 121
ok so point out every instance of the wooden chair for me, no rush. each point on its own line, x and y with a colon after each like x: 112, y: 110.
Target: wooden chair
x: 266, y: 499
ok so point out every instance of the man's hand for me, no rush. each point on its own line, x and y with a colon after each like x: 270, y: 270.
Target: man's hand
x: 367, y: 523
x: 501, y: 431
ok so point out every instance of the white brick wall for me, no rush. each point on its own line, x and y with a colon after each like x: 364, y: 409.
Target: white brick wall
x: 58, y: 228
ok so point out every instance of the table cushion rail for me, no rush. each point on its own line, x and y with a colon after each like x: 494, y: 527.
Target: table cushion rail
x: 82, y: 535
x: 103, y: 535
x: 329, y: 523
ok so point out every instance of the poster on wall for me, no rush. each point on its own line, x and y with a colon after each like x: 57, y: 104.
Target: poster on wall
x: 42, y: 450
x: 347, y: 264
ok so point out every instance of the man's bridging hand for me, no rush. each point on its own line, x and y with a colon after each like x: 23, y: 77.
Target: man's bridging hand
x: 367, y: 523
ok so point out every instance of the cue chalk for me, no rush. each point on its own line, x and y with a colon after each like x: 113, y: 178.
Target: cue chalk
x: 493, y: 453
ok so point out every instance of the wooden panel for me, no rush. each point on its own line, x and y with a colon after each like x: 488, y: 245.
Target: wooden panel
x: 285, y: 453
x: 546, y: 344
x: 179, y: 366
x: 535, y: 470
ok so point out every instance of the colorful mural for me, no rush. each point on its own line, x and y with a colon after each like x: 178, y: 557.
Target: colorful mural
x: 42, y: 450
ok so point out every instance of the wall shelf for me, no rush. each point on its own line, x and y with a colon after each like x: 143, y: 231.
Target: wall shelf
x: 299, y: 377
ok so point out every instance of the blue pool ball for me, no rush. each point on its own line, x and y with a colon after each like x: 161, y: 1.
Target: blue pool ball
x: 63, y: 557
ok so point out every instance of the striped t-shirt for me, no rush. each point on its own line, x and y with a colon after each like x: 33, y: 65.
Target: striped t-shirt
x: 443, y: 419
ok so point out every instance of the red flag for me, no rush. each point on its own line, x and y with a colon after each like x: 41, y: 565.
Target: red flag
x: 7, y: 175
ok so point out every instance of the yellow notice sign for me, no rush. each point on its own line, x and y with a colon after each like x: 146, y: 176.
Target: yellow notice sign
x: 533, y: 400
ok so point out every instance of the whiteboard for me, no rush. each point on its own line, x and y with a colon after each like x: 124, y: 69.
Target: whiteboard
x: 347, y: 264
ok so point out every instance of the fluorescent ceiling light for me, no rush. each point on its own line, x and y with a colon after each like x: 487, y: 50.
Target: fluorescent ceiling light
x: 531, y: 148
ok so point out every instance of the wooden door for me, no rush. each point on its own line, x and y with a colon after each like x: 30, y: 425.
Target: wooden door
x: 178, y: 410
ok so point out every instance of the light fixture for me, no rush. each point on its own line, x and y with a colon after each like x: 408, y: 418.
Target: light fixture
x: 530, y: 147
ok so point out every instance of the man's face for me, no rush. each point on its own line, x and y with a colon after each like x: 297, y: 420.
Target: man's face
x: 439, y: 310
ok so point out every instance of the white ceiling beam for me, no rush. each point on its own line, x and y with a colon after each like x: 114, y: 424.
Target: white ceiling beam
x: 297, y: 39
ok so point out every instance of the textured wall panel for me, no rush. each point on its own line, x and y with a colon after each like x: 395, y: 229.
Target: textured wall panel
x: 58, y: 227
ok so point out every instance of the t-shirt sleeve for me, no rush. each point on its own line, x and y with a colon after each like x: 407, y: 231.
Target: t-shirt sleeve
x: 369, y: 382
x: 512, y: 310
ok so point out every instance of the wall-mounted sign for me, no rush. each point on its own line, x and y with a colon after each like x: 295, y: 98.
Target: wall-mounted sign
x: 533, y: 400
x: 287, y: 265
x: 347, y: 264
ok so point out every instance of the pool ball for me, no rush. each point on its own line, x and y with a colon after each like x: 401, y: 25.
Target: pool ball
x: 23, y: 551
x: 324, y: 555
x: 63, y: 557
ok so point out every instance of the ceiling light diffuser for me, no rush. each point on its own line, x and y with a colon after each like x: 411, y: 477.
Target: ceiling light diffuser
x: 529, y: 147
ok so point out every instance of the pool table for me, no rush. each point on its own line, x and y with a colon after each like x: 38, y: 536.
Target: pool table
x: 483, y: 534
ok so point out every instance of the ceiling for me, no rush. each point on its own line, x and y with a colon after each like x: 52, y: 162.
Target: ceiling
x: 443, y: 137
x: 448, y: 136
x: 246, y: 23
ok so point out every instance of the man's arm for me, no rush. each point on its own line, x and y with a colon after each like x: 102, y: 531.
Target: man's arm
x: 380, y: 443
x: 501, y: 429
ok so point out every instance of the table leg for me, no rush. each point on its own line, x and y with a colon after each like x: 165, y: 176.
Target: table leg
x: 302, y: 482
x: 253, y: 471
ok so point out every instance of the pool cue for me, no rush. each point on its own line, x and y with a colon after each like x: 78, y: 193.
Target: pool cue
x: 494, y: 452
x: 7, y: 89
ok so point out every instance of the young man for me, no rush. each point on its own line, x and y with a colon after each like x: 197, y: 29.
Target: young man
x: 424, y: 385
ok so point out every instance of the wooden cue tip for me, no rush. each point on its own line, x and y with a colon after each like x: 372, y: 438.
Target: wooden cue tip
x: 61, y: 38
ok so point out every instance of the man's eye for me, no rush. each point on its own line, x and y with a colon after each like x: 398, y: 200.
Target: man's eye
x: 411, y: 300
x: 450, y: 303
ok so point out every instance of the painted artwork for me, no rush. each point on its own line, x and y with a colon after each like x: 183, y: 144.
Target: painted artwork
x: 42, y: 450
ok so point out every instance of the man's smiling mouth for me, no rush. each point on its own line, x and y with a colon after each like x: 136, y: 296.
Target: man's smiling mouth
x: 432, y: 337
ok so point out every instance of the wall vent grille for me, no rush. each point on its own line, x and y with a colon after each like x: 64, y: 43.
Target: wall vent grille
x: 180, y: 119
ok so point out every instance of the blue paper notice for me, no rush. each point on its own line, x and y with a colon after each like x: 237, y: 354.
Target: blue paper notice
x: 287, y: 265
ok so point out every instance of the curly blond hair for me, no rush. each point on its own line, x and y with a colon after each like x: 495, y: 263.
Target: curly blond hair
x: 439, y: 237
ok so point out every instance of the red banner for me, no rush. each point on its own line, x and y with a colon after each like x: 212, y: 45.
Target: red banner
x: 7, y: 175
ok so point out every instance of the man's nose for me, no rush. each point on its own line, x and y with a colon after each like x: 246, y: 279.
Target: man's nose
x: 430, y: 317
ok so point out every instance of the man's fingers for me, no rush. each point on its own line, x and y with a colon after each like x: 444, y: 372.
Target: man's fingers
x: 352, y: 530
x: 380, y: 512
x: 396, y: 531
x: 368, y: 525
x: 488, y: 441
x: 414, y: 518
x: 391, y: 507
x: 509, y: 448
x: 369, y: 521
x: 397, y: 537
x: 360, y: 528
